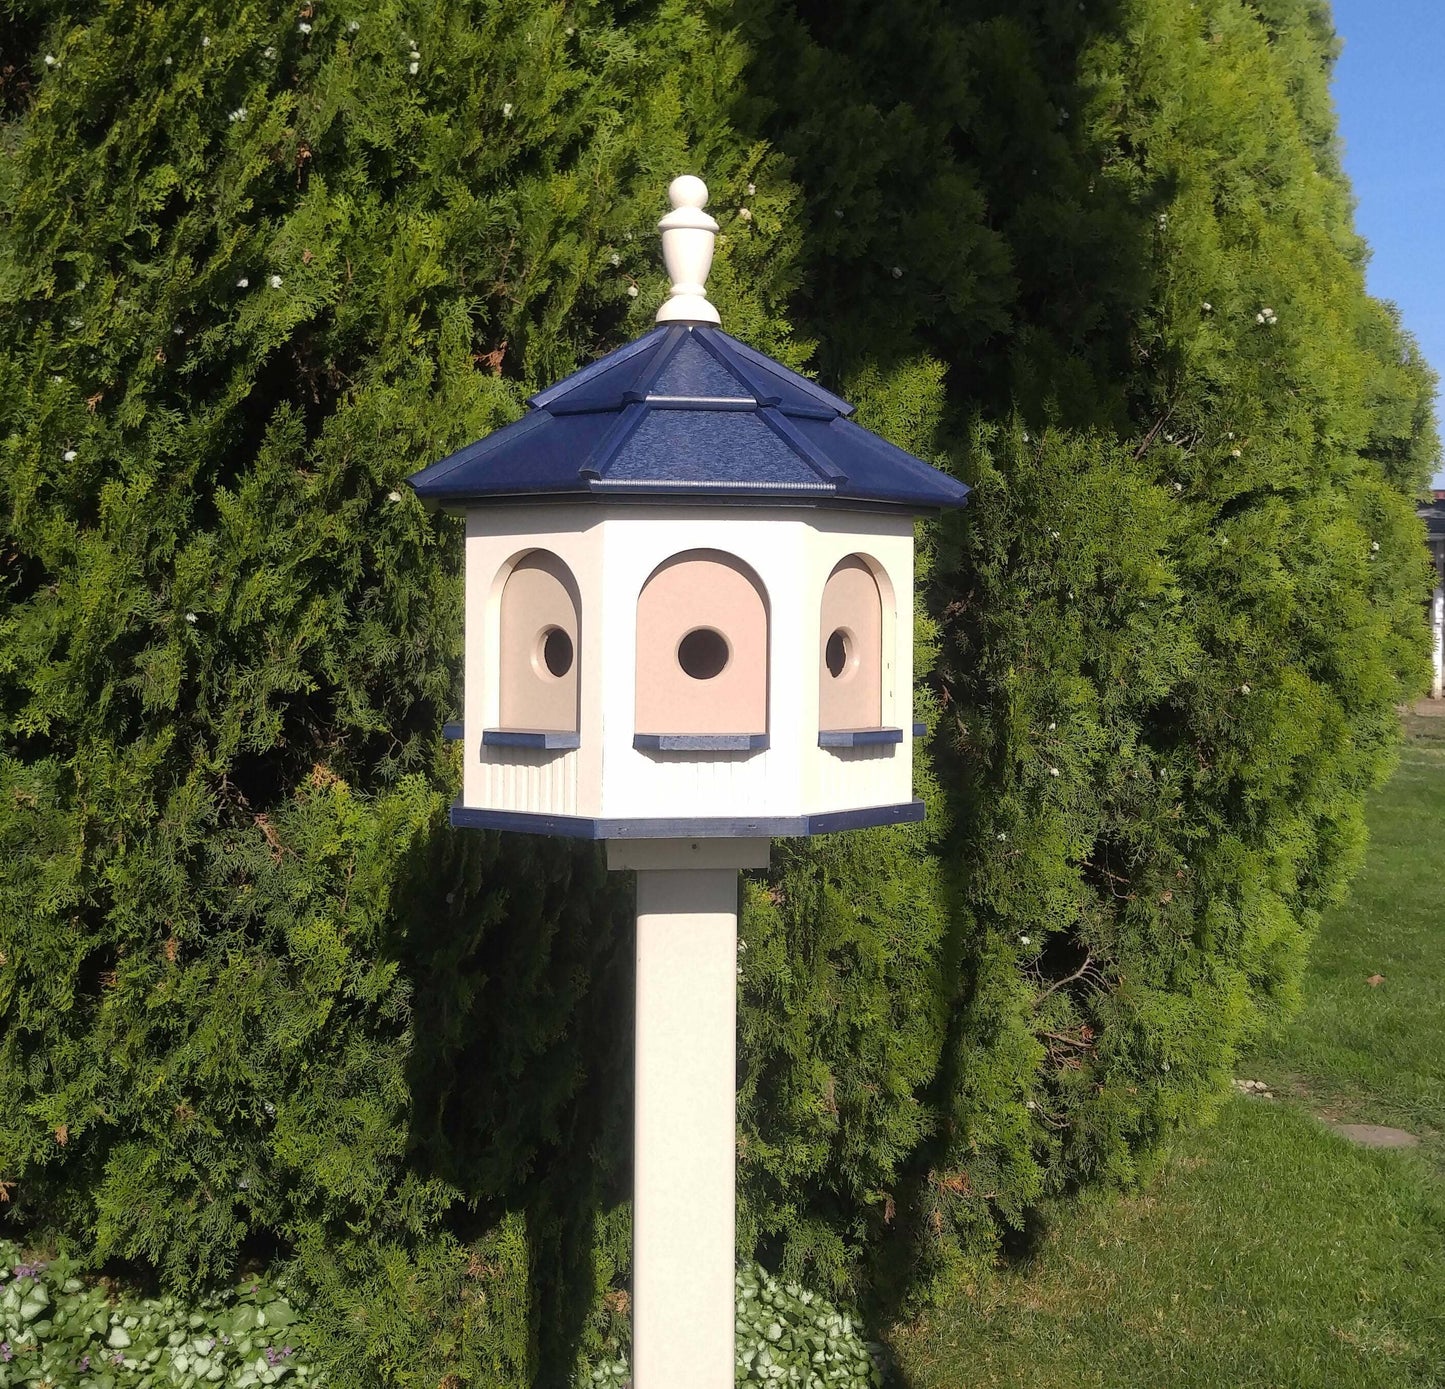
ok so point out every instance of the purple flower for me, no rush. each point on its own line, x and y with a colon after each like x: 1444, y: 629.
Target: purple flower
x: 84, y: 1362
x: 29, y: 1270
x: 6, y: 1354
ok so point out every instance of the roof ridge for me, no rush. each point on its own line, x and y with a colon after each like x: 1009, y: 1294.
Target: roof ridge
x: 608, y: 362
x: 750, y: 355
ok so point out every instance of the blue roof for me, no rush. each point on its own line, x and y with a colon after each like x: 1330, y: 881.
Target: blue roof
x: 688, y: 411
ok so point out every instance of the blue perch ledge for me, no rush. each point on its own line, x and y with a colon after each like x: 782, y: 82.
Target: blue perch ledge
x: 700, y: 742
x: 550, y: 739
x: 858, y: 737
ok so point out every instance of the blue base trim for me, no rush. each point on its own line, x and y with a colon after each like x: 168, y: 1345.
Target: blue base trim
x: 700, y: 742
x: 453, y: 732
x: 920, y: 730
x: 552, y: 740
x: 909, y: 813
x: 858, y: 737
x: 704, y: 827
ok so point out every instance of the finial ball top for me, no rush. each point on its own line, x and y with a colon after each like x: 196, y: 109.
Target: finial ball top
x: 687, y: 190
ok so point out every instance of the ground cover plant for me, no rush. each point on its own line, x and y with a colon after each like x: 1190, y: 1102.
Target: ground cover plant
x: 261, y: 260
x: 59, y: 1329
x: 1271, y: 1250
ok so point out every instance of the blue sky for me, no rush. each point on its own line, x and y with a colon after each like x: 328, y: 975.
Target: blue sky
x: 1390, y: 95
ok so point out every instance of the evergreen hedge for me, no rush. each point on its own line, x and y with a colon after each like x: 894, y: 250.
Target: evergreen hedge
x: 258, y: 262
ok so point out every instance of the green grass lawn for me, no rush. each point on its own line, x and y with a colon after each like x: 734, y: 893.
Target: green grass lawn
x: 1271, y: 1251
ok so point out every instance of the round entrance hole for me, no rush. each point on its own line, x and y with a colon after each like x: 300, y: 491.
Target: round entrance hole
x: 838, y: 654
x: 703, y: 653
x: 556, y: 652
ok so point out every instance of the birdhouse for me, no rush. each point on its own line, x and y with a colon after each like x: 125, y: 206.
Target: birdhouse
x: 689, y: 589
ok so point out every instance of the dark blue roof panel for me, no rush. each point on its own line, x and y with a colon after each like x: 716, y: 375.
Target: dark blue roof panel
x: 688, y: 409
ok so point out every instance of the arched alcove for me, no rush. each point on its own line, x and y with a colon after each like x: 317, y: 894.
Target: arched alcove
x: 850, y: 648
x: 540, y: 645
x: 702, y: 648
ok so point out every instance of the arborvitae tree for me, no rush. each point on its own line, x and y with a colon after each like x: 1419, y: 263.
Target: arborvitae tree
x: 259, y: 262
x: 1178, y: 617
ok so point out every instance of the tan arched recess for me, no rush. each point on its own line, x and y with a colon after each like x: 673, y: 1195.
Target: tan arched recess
x: 702, y: 647
x: 540, y: 645
x: 850, y: 649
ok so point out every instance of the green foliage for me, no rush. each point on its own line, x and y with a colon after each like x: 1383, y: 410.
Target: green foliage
x: 254, y: 270
x: 57, y: 1328
x: 1227, y: 1270
x: 1177, y: 619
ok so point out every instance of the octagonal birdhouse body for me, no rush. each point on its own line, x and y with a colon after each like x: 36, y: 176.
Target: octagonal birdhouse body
x: 689, y: 580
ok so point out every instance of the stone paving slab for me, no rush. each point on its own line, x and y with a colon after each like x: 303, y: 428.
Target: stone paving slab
x: 1375, y: 1135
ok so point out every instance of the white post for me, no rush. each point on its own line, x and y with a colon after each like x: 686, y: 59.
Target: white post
x: 684, y: 1128
x: 1437, y: 628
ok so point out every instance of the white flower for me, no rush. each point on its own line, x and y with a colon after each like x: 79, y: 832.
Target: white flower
x: 167, y: 61
x: 50, y: 60
x: 191, y: 618
x: 1166, y: 1065
x: 1026, y: 436
x: 1234, y: 453
x: 1053, y: 725
x: 304, y: 27
x: 1224, y: 540
x: 1230, y: 435
x: 393, y: 496
x: 415, y: 54
x: 615, y: 258
x: 745, y: 214
x: 1178, y: 486
x: 1208, y: 307
x: 265, y: 53
x: 414, y: 68
x: 1267, y: 311
x: 69, y: 455
x: 73, y: 322
x: 632, y: 291
x: 1053, y: 771
x: 752, y: 188
x: 1163, y: 219
x: 1001, y: 836
x: 243, y: 283
x: 506, y: 108
x: 1023, y: 940
x: 353, y: 26
x: 1244, y: 689
x: 1259, y: 318
x: 1030, y: 1104
x: 178, y: 330
x: 275, y: 282
x: 1055, y: 534
x: 1374, y: 545
x: 239, y: 114
x: 570, y: 30
x: 206, y: 41
x: 897, y: 272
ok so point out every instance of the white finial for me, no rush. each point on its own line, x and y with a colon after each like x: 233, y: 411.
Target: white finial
x: 687, y: 241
